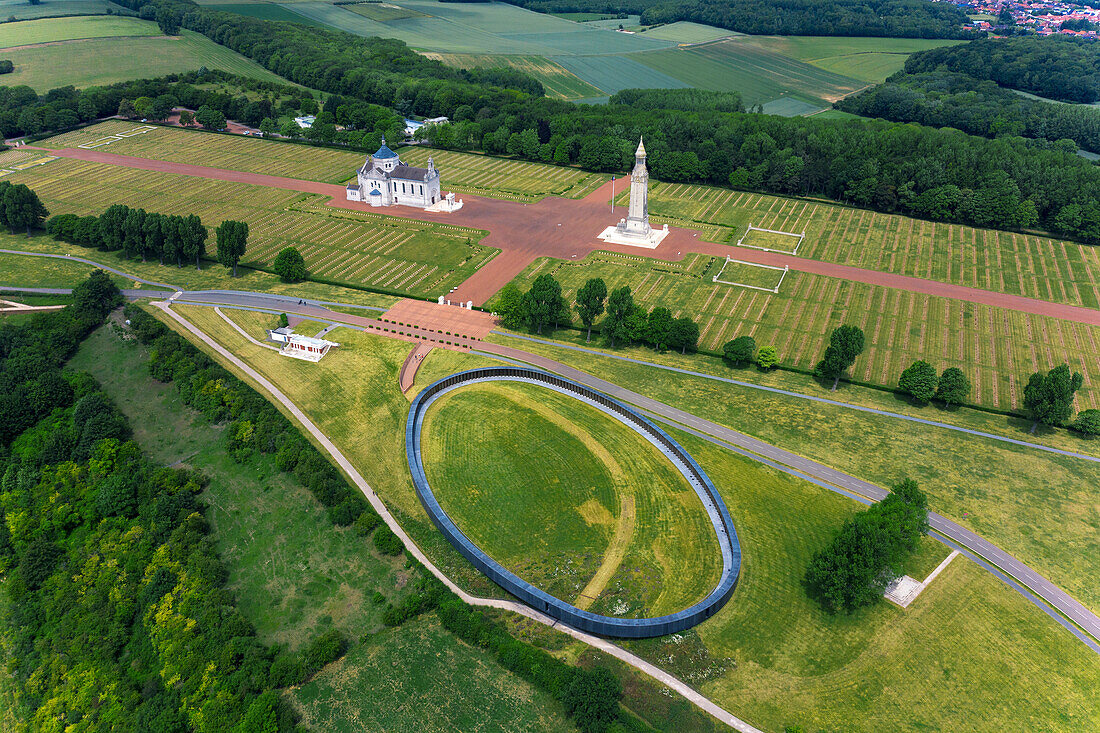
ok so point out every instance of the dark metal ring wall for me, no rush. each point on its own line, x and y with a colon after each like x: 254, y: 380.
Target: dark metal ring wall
x: 539, y: 599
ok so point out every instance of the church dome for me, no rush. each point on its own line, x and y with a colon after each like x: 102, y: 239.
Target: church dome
x: 384, y: 152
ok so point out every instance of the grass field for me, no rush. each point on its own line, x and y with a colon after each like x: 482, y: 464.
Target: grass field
x: 968, y: 654
x: 998, y: 349
x: 42, y: 272
x: 556, y: 79
x: 1037, y: 505
x: 612, y: 73
x: 49, y: 30
x: 750, y: 275
x: 759, y: 74
x: 419, y: 679
x: 265, y: 11
x: 383, y: 11
x: 80, y: 63
x: 521, y: 471
x: 866, y: 59
x: 235, y: 152
x: 1020, y: 264
x: 23, y: 10
x: 355, y: 247
x: 517, y: 180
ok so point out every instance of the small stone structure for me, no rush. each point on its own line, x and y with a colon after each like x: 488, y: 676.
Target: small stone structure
x: 299, y: 346
x: 635, y: 230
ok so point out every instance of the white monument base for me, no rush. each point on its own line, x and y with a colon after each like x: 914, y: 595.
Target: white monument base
x: 446, y: 205
x: 613, y: 235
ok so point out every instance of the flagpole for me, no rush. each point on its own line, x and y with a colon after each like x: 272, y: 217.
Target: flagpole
x: 612, y: 193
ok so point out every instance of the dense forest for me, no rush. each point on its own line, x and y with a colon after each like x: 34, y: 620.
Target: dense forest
x: 946, y: 99
x: 1062, y: 68
x: 116, y: 617
x: 891, y: 18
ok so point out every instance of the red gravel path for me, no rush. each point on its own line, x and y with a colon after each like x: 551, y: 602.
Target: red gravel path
x: 567, y: 229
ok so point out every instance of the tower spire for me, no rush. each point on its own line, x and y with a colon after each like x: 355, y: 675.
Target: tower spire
x: 640, y: 152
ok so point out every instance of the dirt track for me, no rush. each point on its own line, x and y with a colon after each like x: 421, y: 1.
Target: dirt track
x: 567, y: 229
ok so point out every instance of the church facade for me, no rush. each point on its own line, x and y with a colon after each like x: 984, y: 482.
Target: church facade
x: 385, y: 181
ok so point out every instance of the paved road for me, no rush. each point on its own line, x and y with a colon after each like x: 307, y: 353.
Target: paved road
x: 811, y: 398
x: 566, y: 229
x: 87, y: 262
x: 602, y: 644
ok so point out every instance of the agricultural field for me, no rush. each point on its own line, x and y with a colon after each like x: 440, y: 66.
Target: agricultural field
x: 614, y: 72
x: 1008, y: 262
x: 51, y: 30
x: 866, y: 59
x: 558, y: 81
x: 479, y: 28
x: 515, y: 180
x: 23, y: 10
x: 770, y: 655
x: 685, y: 32
x: 383, y: 12
x: 606, y: 524
x: 998, y: 349
x: 355, y: 247
x: 759, y: 74
x: 196, y: 147
x: 80, y: 63
x: 265, y: 11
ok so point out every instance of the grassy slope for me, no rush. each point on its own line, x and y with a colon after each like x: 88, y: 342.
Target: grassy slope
x: 556, y: 79
x: 353, y: 392
x: 81, y: 64
x: 772, y: 657
x: 1039, y: 506
x: 63, y: 29
x: 23, y: 10
x: 539, y: 481
x: 968, y: 654
x: 420, y: 679
x: 296, y: 575
x: 42, y: 272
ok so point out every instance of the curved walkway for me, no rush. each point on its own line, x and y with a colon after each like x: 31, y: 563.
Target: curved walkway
x: 361, y: 483
x: 634, y: 628
x: 566, y: 229
x: 100, y: 265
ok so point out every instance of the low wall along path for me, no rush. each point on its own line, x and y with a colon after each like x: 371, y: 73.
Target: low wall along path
x: 633, y: 628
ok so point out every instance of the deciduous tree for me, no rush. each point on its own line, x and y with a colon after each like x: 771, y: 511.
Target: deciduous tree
x: 544, y: 303
x: 620, y: 307
x: 232, y: 239
x: 684, y: 334
x: 845, y: 344
x: 953, y: 387
x: 289, y: 265
x: 1049, y: 397
x: 740, y: 351
x: 590, y: 302
x: 919, y: 381
x: 767, y: 357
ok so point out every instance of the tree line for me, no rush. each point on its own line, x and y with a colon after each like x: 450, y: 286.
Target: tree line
x: 625, y: 322
x: 977, y: 107
x: 1059, y: 67
x: 890, y: 18
x: 149, y: 235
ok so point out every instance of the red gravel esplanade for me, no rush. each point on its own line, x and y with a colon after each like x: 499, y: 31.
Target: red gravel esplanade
x: 567, y: 229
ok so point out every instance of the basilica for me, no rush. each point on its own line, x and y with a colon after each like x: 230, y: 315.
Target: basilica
x: 384, y: 181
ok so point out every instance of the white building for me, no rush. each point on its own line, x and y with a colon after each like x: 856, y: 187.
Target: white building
x: 384, y: 181
x: 305, y: 122
x: 305, y: 347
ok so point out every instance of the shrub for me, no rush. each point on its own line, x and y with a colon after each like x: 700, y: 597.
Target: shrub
x: 740, y: 351
x: 289, y: 265
x: 767, y: 357
x: 387, y: 542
